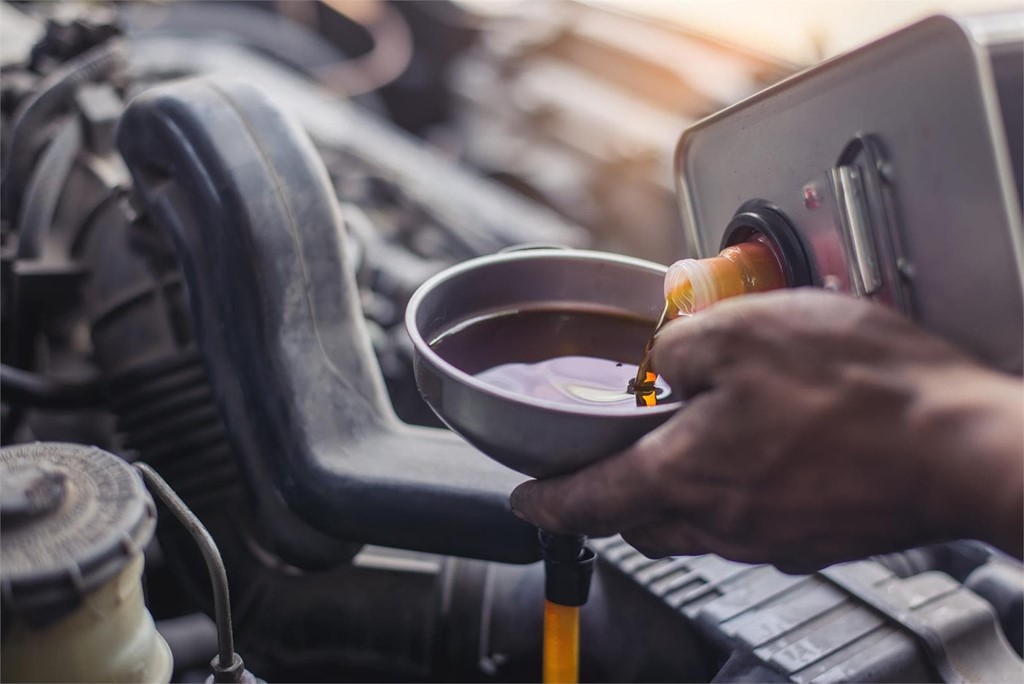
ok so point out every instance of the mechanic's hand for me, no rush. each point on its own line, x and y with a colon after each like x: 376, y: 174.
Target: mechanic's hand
x: 819, y: 428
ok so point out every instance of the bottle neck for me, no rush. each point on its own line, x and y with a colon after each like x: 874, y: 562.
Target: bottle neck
x: 692, y: 285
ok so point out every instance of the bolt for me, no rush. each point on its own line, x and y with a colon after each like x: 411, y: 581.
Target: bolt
x: 812, y: 196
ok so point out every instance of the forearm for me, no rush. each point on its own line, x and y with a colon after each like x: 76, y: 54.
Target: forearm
x: 1004, y: 439
x: 977, y: 440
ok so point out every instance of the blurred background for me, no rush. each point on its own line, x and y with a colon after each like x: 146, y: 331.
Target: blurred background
x: 454, y: 128
x: 575, y: 105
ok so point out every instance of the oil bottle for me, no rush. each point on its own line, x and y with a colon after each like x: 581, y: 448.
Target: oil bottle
x: 692, y: 285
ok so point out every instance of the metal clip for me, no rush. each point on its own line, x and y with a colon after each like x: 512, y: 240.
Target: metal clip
x: 853, y: 215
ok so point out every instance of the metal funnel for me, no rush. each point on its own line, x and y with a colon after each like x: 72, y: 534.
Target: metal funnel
x: 536, y: 437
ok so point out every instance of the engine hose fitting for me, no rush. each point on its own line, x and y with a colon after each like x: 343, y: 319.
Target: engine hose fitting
x: 568, y: 568
x: 235, y: 673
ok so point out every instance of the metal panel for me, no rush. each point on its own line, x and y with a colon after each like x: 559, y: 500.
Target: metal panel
x: 946, y: 224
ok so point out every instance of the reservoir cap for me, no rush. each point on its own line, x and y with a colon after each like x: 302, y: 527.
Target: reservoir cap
x: 71, y: 518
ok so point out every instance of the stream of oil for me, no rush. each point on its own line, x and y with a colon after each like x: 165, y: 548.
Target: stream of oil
x: 571, y: 357
x: 643, y: 384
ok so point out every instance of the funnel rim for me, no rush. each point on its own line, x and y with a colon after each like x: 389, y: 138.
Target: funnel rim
x: 424, y: 350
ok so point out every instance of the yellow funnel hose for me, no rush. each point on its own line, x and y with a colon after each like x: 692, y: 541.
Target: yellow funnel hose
x: 568, y: 566
x: 561, y: 643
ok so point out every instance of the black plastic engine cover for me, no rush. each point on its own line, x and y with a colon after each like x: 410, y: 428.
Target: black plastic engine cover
x: 255, y: 222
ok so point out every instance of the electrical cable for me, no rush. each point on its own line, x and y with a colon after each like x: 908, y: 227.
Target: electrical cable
x: 25, y: 388
x: 44, y: 189
x: 32, y: 116
x: 226, y: 659
x: 41, y: 198
x: 390, y: 56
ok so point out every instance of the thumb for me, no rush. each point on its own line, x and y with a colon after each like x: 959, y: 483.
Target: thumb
x: 613, y: 494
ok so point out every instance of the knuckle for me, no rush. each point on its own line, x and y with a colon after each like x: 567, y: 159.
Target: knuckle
x: 544, y: 506
x: 670, y: 349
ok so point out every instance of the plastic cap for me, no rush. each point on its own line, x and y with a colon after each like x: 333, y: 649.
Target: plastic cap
x: 73, y: 517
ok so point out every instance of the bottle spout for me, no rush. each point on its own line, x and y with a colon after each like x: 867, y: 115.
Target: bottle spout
x: 692, y: 285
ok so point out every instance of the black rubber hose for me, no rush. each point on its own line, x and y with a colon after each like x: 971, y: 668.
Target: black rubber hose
x: 45, y: 188
x: 24, y: 388
x: 55, y: 91
x: 42, y: 196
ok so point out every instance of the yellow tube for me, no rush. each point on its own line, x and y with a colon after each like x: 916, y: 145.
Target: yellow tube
x: 561, y: 643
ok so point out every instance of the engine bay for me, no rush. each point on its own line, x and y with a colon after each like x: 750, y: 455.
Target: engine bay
x: 214, y: 216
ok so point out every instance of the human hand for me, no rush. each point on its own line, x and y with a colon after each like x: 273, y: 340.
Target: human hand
x: 819, y: 428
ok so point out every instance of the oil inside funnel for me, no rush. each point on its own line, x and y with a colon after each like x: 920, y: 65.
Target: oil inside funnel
x: 581, y: 358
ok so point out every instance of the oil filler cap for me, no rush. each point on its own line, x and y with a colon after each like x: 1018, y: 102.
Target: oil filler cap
x: 71, y: 518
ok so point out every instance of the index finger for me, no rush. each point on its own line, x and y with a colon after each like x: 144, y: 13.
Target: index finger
x: 691, y: 352
x: 616, y: 493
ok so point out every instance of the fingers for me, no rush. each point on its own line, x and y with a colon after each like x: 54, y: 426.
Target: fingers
x: 618, y: 492
x: 677, y: 537
x: 671, y: 538
x: 691, y: 352
x: 594, y: 501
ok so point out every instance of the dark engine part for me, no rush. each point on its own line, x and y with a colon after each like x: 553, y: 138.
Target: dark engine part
x: 409, y: 210
x: 100, y: 252
x: 257, y: 230
x: 851, y: 622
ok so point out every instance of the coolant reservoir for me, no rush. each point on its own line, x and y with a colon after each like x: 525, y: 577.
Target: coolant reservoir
x: 74, y: 522
x: 695, y: 284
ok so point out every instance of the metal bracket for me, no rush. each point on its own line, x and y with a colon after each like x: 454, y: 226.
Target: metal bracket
x: 853, y: 216
x: 864, y: 200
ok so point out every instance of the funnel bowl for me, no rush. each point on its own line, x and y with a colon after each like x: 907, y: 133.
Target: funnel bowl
x: 536, y: 437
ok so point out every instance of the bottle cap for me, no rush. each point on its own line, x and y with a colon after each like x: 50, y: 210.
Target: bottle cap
x: 72, y: 518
